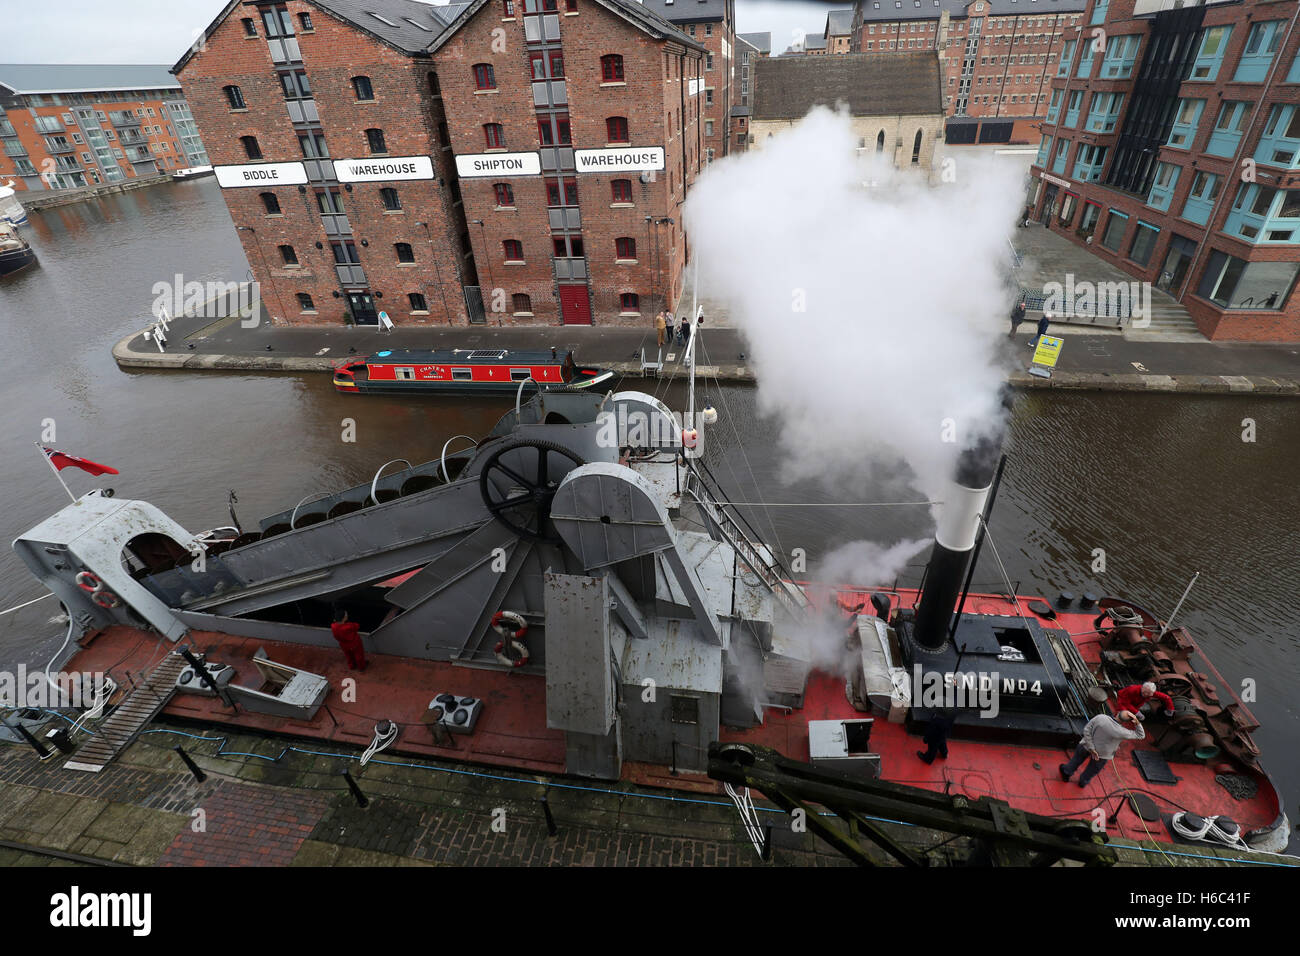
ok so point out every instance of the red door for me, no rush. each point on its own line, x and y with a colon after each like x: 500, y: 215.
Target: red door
x: 575, y: 305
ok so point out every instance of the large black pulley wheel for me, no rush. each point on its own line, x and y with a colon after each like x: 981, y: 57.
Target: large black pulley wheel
x: 525, y: 504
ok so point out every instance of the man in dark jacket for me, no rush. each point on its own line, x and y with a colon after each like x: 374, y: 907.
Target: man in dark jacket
x: 1017, y: 316
x: 936, y: 736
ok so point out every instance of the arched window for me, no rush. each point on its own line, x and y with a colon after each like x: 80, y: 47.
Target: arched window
x: 880, y: 141
x: 364, y: 91
x: 288, y: 255
x: 916, y: 149
x: 522, y: 303
x: 622, y: 190
x: 625, y: 248
x: 514, y: 250
x: 235, y: 97
x: 629, y: 302
x: 271, y: 203
x: 251, y: 149
x: 611, y: 68
x: 495, y: 135
x: 305, y: 303
x: 616, y: 129
x: 485, y: 78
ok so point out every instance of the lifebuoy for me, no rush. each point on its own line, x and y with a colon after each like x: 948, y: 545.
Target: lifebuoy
x: 88, y: 582
x: 518, y: 647
x: 105, y: 599
x: 512, y: 628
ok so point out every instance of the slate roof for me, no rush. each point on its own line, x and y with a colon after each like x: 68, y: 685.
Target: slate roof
x: 877, y: 10
x: 762, y: 42
x: 839, y: 23
x: 786, y: 88
x: 687, y: 11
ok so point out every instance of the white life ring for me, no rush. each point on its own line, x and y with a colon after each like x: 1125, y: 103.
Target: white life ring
x: 512, y: 628
x: 88, y: 582
x: 519, y: 648
x: 509, y: 624
x: 106, y: 599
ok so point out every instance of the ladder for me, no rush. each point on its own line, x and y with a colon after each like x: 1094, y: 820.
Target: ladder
x: 123, y: 725
x: 750, y: 554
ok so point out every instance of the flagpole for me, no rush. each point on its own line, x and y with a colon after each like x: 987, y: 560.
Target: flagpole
x: 49, y: 462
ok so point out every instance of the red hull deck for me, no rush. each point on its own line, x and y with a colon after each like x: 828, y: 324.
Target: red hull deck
x: 512, y: 731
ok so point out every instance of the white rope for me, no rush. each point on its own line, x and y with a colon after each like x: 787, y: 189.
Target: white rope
x: 96, y: 710
x: 382, y: 739
x: 748, y: 816
x: 830, y: 504
x: 19, y: 607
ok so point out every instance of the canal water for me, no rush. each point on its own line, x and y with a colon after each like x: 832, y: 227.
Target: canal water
x: 1163, y: 485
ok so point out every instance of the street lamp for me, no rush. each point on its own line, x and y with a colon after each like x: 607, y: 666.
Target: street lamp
x: 265, y: 264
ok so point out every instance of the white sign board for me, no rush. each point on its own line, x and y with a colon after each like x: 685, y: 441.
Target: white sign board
x: 499, y: 164
x: 1052, y: 179
x: 620, y: 159
x: 383, y: 170
x: 260, y: 174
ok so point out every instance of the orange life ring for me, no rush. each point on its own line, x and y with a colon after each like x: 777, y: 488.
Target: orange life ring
x: 509, y: 625
x: 105, y: 599
x: 88, y: 582
x: 518, y: 647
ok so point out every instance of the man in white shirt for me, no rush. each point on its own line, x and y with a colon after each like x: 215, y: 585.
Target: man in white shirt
x: 1101, y: 739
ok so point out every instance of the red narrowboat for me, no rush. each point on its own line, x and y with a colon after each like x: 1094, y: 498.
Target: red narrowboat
x: 464, y: 371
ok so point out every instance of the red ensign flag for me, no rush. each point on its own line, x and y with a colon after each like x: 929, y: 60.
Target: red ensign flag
x: 60, y: 461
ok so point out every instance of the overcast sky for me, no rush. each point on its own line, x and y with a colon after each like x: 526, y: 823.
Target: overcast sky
x: 159, y: 31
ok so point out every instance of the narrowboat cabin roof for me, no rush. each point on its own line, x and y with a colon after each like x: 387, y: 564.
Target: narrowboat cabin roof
x: 466, y: 356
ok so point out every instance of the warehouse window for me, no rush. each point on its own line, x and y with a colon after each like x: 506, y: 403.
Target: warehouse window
x: 523, y: 304
x: 505, y: 194
x: 388, y: 196
x: 611, y: 68
x: 485, y: 77
x: 271, y: 203
x: 251, y: 149
x: 514, y: 250
x: 288, y: 255
x: 375, y: 139
x: 495, y: 135
x: 364, y: 91
x: 235, y: 97
x: 417, y: 302
x: 622, y: 190
x: 629, y: 302
x: 404, y: 252
x: 250, y: 28
x: 625, y: 248
x: 616, y: 129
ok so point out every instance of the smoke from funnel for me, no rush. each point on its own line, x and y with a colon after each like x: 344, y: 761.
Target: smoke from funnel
x: 873, y: 303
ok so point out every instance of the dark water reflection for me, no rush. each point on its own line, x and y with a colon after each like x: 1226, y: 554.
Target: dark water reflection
x: 1164, y: 485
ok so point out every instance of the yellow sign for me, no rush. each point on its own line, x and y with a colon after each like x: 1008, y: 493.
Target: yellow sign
x: 1048, y: 351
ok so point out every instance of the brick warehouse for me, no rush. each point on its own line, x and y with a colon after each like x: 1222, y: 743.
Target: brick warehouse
x: 998, y: 56
x: 1174, y: 153
x: 522, y: 161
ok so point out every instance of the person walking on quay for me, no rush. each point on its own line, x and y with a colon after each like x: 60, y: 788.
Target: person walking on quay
x: 684, y: 334
x: 1101, y: 739
x: 660, y: 326
x: 1043, y: 323
x: 348, y: 634
x: 668, y: 327
x: 1017, y: 316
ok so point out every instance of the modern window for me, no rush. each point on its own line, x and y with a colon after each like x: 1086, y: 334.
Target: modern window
x: 313, y: 145
x: 514, y: 250
x: 288, y: 255
x: 1113, y: 236
x: 295, y: 85
x: 375, y: 140
x: 1186, y: 122
x: 485, y: 78
x: 305, y: 303
x: 1144, y: 243
x: 404, y: 252
x: 616, y: 129
x: 417, y: 302
x: 1261, y: 45
x: 1236, y: 284
x: 271, y: 203
x: 361, y: 86
x: 1162, y: 186
x: 1214, y: 42
x: 625, y: 248
x: 611, y: 68
x: 621, y: 190
x: 522, y: 304
x: 1228, y: 128
x: 495, y: 135
x: 561, y: 192
x: 1088, y: 221
x: 505, y: 194
x: 629, y: 302
x: 345, y: 252
x: 251, y: 149
x: 388, y: 196
x: 235, y: 97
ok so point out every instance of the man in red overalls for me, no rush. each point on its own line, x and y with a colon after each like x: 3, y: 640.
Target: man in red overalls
x: 348, y: 634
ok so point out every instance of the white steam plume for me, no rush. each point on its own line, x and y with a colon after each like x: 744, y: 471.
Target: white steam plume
x: 873, y: 314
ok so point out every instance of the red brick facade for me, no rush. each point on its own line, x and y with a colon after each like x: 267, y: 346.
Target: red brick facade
x: 431, y: 105
x: 1179, y: 274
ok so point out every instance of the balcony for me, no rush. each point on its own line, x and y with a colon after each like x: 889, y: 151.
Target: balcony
x: 1054, y: 110
x: 1102, y: 122
x: 138, y: 154
x: 351, y: 275
x: 59, y: 145
x: 303, y: 111
x: 1223, y: 142
x: 121, y: 118
x: 565, y: 218
x: 1085, y: 61
x: 1264, y: 215
x: 1090, y: 164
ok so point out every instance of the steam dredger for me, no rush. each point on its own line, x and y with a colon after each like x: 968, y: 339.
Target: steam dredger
x: 516, y: 599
